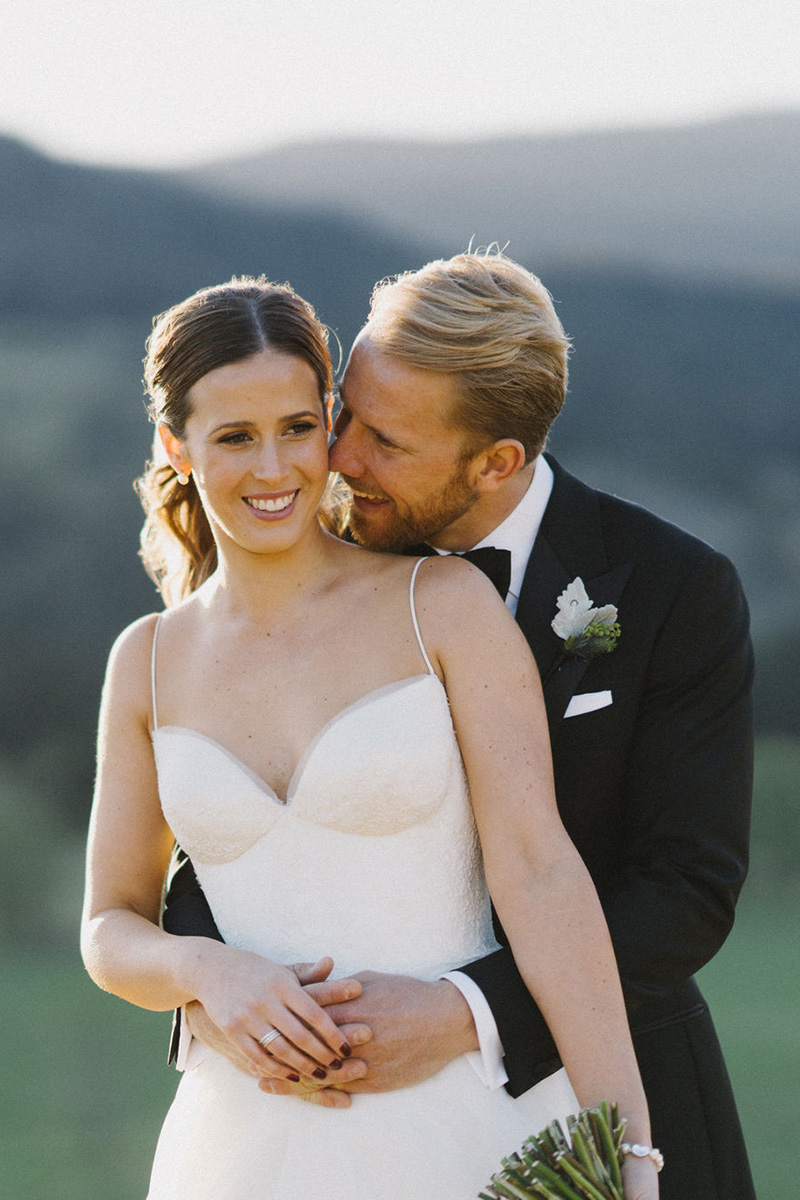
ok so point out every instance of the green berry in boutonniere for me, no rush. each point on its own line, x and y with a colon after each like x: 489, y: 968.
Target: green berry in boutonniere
x: 585, y: 1165
x: 586, y: 631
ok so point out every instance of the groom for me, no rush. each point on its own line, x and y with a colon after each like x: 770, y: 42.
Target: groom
x: 448, y: 397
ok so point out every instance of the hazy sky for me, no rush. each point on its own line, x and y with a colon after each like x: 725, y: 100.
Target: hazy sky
x: 182, y: 81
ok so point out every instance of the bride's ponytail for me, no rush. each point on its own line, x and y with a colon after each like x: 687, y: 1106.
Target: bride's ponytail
x: 177, y: 546
x: 214, y: 327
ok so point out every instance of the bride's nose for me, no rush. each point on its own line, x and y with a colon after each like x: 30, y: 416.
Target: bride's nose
x: 270, y: 463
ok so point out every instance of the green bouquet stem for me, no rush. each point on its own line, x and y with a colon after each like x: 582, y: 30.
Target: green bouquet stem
x: 583, y: 1164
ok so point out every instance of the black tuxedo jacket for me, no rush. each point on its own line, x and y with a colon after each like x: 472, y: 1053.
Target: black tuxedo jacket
x: 654, y: 790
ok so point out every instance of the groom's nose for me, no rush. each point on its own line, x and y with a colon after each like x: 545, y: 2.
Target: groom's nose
x: 345, y: 453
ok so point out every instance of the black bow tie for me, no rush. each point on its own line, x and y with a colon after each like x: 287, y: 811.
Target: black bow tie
x: 495, y: 564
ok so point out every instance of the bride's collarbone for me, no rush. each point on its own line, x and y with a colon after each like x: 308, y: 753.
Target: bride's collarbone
x: 265, y: 693
x: 267, y: 708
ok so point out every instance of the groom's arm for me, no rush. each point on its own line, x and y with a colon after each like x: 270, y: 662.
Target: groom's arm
x: 186, y: 910
x: 186, y: 913
x: 685, y: 818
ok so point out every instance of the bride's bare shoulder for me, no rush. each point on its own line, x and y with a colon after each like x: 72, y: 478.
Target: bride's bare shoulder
x: 447, y: 576
x: 457, y: 606
x: 443, y: 582
x: 132, y: 650
x: 134, y: 640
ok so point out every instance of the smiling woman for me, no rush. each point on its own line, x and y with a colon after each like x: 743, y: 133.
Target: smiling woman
x: 197, y: 350
x: 256, y: 447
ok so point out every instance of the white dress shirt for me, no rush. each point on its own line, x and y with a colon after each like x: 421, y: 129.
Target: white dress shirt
x: 516, y: 533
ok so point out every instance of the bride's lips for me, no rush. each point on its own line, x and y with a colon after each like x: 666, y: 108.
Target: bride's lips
x: 272, y: 506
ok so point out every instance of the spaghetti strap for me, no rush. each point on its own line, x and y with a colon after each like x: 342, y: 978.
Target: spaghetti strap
x: 420, y: 642
x: 153, y: 670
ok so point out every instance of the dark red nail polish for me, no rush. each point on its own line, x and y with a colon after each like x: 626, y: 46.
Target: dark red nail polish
x: 293, y: 1078
x: 345, y: 1050
x: 319, y: 1073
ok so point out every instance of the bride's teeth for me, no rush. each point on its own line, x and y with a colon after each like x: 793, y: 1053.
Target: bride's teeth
x: 273, y: 505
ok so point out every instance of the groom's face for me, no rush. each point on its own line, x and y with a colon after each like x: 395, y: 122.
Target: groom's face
x: 396, y: 447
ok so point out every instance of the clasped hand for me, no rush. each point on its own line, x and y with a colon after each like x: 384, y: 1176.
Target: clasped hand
x: 246, y: 997
x: 405, y: 1030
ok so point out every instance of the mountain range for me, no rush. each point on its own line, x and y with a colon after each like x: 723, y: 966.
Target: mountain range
x: 716, y: 201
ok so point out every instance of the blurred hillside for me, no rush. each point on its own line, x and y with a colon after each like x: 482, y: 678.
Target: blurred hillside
x: 77, y: 243
x: 683, y: 398
x: 707, y: 202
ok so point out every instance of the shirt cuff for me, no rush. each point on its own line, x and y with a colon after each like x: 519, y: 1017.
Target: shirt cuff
x: 487, y: 1062
x: 185, y: 1040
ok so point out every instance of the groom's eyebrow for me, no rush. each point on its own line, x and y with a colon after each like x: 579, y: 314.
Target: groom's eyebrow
x: 386, y: 438
x: 373, y: 429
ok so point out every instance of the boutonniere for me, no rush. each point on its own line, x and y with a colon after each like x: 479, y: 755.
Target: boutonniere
x: 586, y: 631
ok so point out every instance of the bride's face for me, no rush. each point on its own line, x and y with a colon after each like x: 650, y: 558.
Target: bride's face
x: 256, y: 445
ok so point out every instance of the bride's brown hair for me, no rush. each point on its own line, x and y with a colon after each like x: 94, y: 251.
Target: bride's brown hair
x: 214, y: 327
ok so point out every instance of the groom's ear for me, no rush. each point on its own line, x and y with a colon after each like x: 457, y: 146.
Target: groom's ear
x: 494, y: 466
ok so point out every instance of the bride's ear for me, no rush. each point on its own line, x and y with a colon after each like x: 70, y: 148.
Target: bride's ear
x: 173, y: 448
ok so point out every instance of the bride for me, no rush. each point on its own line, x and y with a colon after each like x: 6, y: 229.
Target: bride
x: 303, y: 719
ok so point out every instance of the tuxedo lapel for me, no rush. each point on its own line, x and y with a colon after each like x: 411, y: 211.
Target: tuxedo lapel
x: 545, y: 579
x: 570, y: 544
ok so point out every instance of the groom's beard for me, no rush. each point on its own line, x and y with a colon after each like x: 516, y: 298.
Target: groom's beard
x: 393, y: 526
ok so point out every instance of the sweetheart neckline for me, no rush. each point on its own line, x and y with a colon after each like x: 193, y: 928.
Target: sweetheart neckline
x: 297, y: 774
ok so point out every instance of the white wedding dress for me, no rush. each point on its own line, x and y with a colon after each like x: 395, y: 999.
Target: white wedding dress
x: 373, y: 859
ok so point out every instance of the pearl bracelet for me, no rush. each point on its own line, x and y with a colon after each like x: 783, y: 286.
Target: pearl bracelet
x: 637, y: 1151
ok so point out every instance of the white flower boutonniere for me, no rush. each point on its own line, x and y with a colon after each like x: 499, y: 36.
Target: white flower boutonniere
x: 586, y: 631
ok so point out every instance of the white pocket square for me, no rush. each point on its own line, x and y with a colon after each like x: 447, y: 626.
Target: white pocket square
x: 587, y: 702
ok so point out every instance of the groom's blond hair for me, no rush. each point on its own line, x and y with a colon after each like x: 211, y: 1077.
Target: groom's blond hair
x: 485, y: 319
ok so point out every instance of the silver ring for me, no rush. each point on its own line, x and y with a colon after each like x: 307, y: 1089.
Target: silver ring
x: 269, y: 1037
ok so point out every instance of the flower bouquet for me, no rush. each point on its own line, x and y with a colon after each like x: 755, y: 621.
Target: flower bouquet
x: 584, y: 1164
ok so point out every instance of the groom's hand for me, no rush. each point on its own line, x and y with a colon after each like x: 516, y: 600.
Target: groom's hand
x: 417, y: 1028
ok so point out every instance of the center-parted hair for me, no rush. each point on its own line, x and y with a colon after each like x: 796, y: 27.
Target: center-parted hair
x: 213, y: 328
x: 492, y: 324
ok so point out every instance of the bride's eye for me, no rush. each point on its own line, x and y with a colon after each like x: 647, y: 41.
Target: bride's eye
x: 239, y: 438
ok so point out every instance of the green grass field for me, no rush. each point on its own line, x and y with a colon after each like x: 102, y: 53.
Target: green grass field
x: 753, y: 988
x: 85, y: 1084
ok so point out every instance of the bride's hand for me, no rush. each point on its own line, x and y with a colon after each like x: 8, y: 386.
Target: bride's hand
x: 639, y: 1179
x: 247, y: 997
